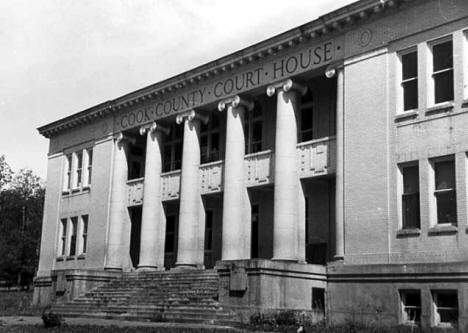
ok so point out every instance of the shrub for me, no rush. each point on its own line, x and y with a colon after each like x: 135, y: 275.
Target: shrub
x: 51, y: 319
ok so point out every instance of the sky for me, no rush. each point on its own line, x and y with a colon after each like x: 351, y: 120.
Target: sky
x: 59, y: 57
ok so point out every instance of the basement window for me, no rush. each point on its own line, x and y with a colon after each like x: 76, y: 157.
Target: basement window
x: 445, y: 308
x: 410, y: 301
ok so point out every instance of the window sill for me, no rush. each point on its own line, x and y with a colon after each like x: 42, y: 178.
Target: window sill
x: 86, y: 188
x: 70, y: 258
x: 406, y: 115
x: 443, y: 229
x: 440, y: 108
x: 413, y: 232
x: 81, y: 256
x: 60, y: 259
x: 464, y: 103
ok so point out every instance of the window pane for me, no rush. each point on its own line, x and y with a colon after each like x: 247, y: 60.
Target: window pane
x: 446, y: 207
x: 257, y: 111
x: 411, y: 213
x: 448, y: 315
x: 413, y: 299
x: 443, y: 86
x: 90, y: 156
x: 409, y: 65
x: 442, y: 56
x: 413, y: 314
x: 410, y: 95
x: 447, y: 299
x: 445, y: 175
x: 257, y: 131
x: 410, y: 179
x: 79, y: 159
x: 306, y: 119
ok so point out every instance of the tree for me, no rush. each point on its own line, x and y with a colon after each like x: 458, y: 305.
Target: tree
x: 5, y: 172
x: 21, y: 209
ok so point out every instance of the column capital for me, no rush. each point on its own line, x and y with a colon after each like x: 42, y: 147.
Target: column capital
x: 333, y: 68
x: 152, y: 127
x: 286, y: 86
x: 121, y: 138
x: 189, y: 116
x: 235, y: 101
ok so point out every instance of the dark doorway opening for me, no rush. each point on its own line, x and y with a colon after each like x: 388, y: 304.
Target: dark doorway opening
x: 135, y: 234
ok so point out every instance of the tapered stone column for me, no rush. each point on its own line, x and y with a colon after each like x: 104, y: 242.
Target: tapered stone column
x: 236, y: 237
x: 118, y: 204
x: 286, y: 215
x: 153, y: 221
x: 190, y: 251
x: 339, y: 180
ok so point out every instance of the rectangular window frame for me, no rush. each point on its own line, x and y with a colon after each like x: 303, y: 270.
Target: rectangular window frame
x: 435, y: 193
x: 62, y: 247
x: 436, y: 308
x: 88, y: 152
x: 404, y: 81
x: 405, y: 309
x: 403, y: 225
x: 72, y: 239
x: 251, y: 119
x: 84, y: 234
x: 67, y: 172
x: 78, y: 169
x: 208, y: 153
x: 171, y: 143
x: 432, y: 73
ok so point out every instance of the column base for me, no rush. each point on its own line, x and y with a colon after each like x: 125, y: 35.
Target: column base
x: 180, y: 267
x: 113, y: 269
x: 147, y: 268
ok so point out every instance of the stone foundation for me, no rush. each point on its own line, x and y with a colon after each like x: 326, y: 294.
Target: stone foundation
x: 269, y: 286
x: 370, y: 294
x: 65, y: 285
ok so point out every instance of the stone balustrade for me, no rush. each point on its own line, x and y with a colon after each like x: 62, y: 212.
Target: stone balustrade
x: 314, y: 158
x: 211, y: 177
x: 135, y: 192
x: 317, y: 157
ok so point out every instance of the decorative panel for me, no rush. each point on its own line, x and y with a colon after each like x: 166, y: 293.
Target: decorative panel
x: 259, y: 168
x: 135, y: 192
x: 211, y: 177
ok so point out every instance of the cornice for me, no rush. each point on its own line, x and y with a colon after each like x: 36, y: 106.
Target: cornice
x: 333, y: 22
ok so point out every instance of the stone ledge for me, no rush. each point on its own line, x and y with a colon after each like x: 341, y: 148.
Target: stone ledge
x: 406, y: 115
x: 439, y: 108
x: 443, y: 230
x: 413, y: 232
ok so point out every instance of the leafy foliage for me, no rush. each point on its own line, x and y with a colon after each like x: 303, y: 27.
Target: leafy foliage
x: 21, y: 208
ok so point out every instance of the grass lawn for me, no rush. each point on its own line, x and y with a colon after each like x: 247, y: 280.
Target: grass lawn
x: 18, y: 303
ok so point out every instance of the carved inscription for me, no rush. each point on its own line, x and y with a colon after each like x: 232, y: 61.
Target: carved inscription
x: 257, y: 76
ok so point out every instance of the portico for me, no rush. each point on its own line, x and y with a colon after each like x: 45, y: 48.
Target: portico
x: 236, y: 170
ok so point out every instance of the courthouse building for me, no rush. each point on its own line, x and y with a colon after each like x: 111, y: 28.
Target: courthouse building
x: 325, y: 168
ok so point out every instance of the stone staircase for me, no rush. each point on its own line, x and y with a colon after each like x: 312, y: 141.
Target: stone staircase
x: 173, y: 296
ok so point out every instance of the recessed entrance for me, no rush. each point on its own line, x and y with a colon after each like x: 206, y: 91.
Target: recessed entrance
x: 135, y: 234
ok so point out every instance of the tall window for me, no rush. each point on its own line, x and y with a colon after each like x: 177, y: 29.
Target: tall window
x: 209, y: 230
x: 68, y: 168
x: 74, y: 226
x: 63, y: 236
x: 84, y: 233
x: 410, y: 197
x: 306, y: 117
x: 172, y: 148
x: 411, y: 306
x: 442, y: 70
x: 409, y: 79
x: 446, y: 307
x: 89, y: 170
x: 209, y: 139
x: 79, y: 168
x: 253, y: 129
x: 445, y: 191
